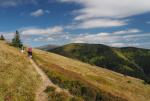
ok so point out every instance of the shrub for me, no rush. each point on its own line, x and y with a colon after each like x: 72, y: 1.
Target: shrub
x: 2, y: 37
x: 76, y: 99
x: 58, y: 96
x: 75, y: 87
x: 147, y: 81
x: 50, y: 89
x: 97, y: 60
x: 128, y: 81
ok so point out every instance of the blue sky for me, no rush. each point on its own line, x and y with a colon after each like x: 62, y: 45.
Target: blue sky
x: 116, y: 23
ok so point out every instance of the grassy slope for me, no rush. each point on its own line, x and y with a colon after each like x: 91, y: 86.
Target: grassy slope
x: 18, y: 79
x: 130, y: 61
x: 106, y: 81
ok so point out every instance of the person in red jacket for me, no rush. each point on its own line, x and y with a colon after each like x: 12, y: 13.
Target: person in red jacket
x: 30, y: 52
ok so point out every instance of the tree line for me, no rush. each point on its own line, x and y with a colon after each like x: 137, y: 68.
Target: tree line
x: 16, y: 41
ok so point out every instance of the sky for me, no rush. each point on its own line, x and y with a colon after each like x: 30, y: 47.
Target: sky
x: 117, y: 23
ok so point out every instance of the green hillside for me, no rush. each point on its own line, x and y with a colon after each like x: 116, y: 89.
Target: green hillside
x: 90, y: 83
x: 141, y: 57
x: 18, y: 79
x: 47, y: 47
x: 129, y: 61
x: 79, y: 81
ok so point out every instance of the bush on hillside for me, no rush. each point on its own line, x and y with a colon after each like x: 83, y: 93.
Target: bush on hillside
x: 147, y: 81
x: 79, y: 89
x: 58, y: 96
x: 96, y: 60
x: 2, y: 37
x: 76, y: 99
x: 50, y: 89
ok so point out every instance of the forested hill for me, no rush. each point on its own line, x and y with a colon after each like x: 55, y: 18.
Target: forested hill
x: 129, y: 60
x: 47, y: 47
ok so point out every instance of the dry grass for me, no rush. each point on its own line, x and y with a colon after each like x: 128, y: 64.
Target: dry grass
x: 114, y: 83
x: 18, y: 79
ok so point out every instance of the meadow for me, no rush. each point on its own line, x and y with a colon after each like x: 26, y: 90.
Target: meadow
x: 89, y: 82
x: 18, y: 78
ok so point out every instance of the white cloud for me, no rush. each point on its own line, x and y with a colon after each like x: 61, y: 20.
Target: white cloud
x: 7, y: 35
x: 31, y: 34
x: 147, y: 35
x: 95, y: 38
x: 50, y: 34
x: 127, y: 31
x: 8, y: 3
x: 42, y: 31
x: 118, y: 44
x: 130, y: 37
x: 111, y: 8
x: 39, y: 12
x: 47, y: 11
x: 126, y: 44
x: 43, y: 39
x: 96, y: 23
x: 108, y: 9
x: 148, y: 22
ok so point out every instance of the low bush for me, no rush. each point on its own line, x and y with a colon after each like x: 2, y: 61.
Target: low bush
x: 53, y: 95
x: 76, y: 99
x: 50, y: 89
x: 78, y: 87
x: 147, y: 81
x: 58, y: 96
x: 75, y: 87
x: 128, y: 81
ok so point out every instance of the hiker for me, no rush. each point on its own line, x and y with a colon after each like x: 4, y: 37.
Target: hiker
x: 30, y: 52
x: 22, y: 49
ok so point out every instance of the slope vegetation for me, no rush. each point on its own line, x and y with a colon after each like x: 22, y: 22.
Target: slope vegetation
x: 47, y: 47
x: 129, y: 61
x: 18, y: 79
x: 46, y: 85
x: 89, y: 83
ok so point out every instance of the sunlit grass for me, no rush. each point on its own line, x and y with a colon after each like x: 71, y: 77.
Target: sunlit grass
x: 18, y: 79
x: 114, y: 83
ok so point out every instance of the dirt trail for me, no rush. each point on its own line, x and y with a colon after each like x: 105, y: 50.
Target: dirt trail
x: 40, y: 94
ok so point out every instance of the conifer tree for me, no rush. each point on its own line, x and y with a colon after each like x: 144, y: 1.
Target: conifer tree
x: 16, y: 41
x: 2, y: 37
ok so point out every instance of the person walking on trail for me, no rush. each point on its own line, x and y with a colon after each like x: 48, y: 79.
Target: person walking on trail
x: 22, y: 49
x: 30, y: 52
